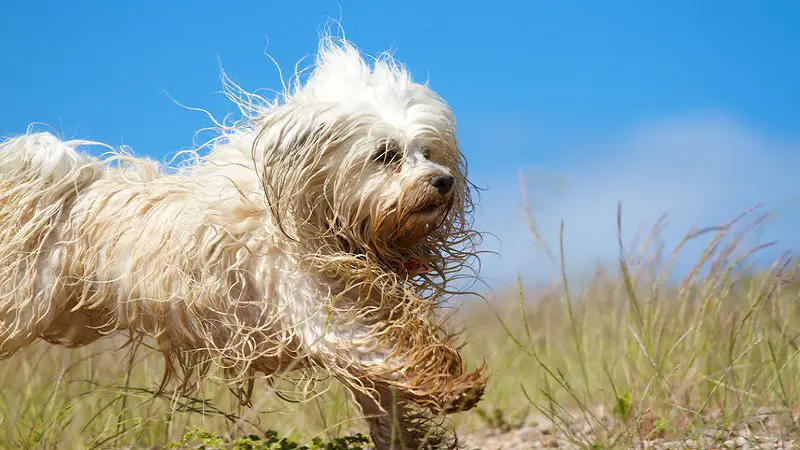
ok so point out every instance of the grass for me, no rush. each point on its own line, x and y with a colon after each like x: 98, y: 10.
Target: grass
x: 94, y: 397
x: 639, y: 353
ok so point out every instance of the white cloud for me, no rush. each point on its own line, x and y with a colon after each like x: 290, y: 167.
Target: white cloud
x: 702, y: 170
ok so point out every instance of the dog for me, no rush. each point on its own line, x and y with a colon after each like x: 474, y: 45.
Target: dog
x: 320, y: 232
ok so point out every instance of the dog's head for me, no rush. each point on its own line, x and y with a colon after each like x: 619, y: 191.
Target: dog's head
x: 364, y: 160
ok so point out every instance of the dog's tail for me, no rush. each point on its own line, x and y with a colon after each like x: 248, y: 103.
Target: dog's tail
x: 40, y: 177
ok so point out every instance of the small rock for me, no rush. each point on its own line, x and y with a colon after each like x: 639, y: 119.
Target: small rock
x: 713, y: 434
x: 550, y: 442
x: 740, y: 442
x: 544, y: 426
x: 527, y: 434
x: 729, y: 444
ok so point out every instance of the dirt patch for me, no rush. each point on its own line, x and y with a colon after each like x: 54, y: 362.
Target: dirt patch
x: 764, y: 432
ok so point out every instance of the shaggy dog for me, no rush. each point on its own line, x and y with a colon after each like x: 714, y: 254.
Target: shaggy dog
x: 320, y: 232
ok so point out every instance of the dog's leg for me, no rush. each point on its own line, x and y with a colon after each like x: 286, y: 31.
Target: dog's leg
x: 395, y: 425
x: 402, y: 377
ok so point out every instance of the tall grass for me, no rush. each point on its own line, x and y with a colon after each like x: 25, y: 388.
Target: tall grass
x: 638, y: 353
x: 102, y: 396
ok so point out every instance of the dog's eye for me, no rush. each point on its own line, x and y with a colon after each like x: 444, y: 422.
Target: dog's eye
x: 388, y: 154
x: 426, y: 153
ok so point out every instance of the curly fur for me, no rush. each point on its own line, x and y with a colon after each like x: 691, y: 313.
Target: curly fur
x: 286, y: 247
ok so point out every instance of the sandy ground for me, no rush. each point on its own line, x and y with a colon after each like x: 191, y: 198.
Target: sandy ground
x: 533, y: 438
x: 763, y: 433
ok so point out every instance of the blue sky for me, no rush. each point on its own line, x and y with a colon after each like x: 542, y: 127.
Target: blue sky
x: 683, y: 107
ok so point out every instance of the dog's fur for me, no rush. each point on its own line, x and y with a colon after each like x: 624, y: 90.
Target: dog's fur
x: 298, y: 241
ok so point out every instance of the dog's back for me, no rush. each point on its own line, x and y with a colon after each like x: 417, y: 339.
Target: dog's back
x: 88, y: 248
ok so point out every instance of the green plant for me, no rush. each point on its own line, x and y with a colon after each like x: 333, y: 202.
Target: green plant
x: 200, y: 438
x: 623, y: 406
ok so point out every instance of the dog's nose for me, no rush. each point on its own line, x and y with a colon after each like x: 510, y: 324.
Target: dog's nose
x: 443, y: 183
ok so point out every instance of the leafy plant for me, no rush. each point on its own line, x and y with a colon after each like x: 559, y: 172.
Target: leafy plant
x: 623, y: 407
x: 207, y: 440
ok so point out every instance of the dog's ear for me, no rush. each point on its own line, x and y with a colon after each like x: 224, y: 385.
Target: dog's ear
x: 293, y: 178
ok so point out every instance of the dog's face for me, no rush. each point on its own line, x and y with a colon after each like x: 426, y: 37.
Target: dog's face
x: 400, y: 174
x: 371, y: 158
x: 412, y: 189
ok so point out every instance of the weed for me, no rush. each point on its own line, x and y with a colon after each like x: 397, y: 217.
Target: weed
x: 204, y: 439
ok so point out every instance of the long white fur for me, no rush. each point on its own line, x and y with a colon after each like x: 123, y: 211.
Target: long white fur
x: 283, y: 248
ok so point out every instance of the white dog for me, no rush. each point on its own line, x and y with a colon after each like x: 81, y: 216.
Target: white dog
x: 320, y: 232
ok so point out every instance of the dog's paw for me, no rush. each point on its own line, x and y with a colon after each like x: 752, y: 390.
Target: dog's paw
x: 463, y: 400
